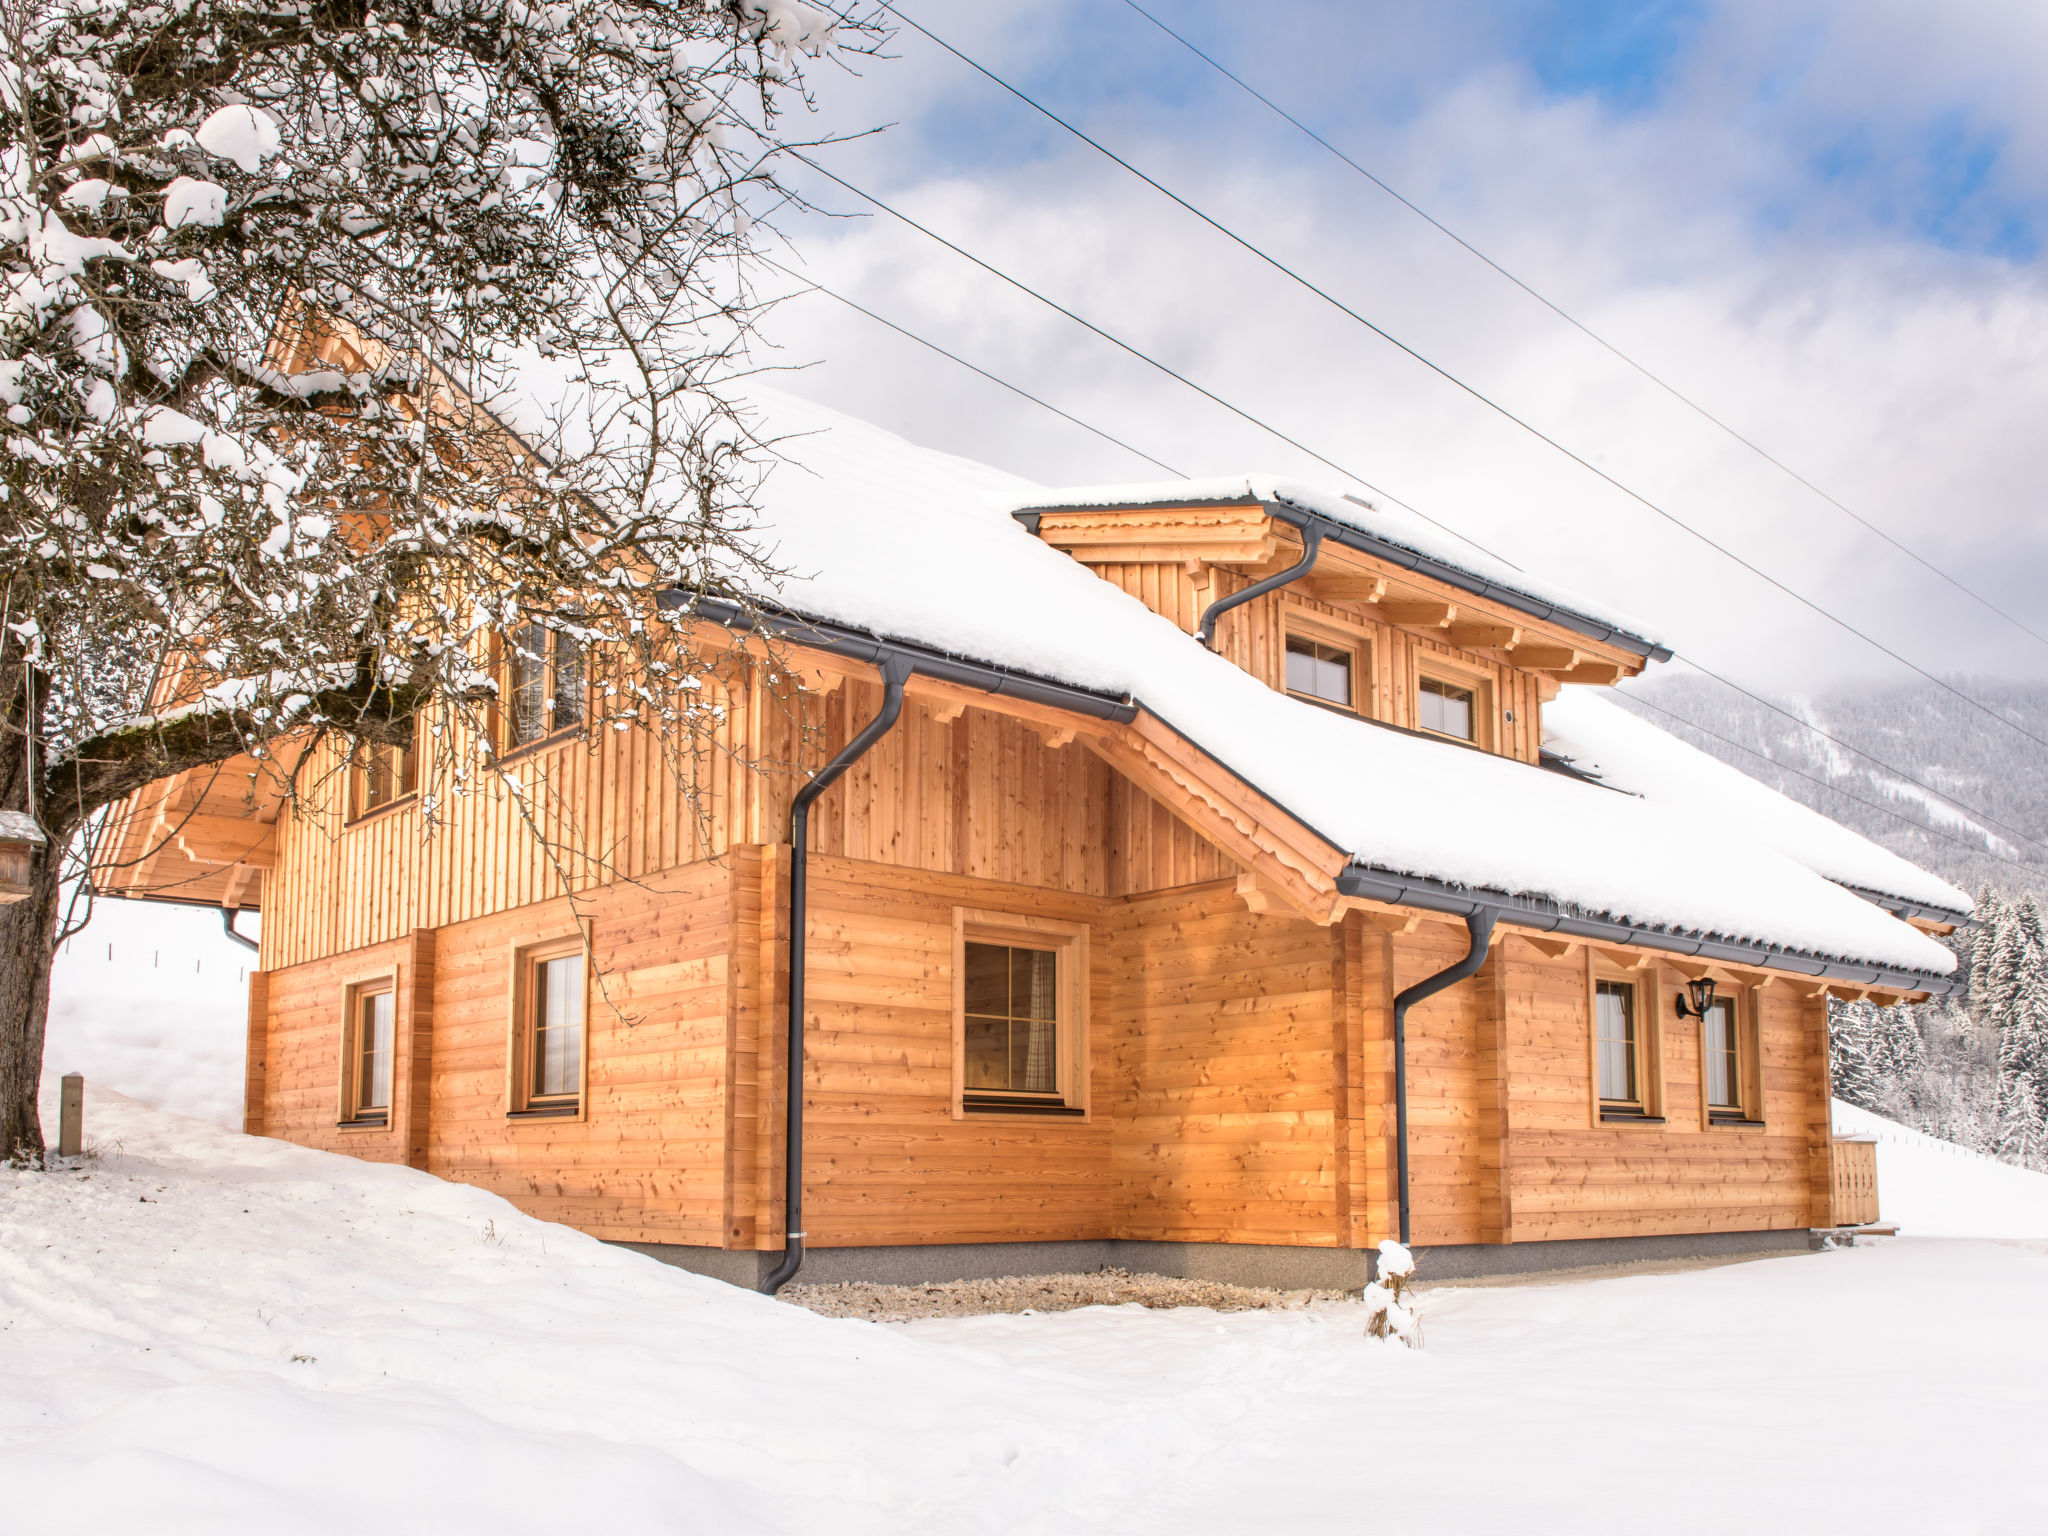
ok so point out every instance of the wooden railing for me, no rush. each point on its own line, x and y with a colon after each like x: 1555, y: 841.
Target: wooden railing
x: 1855, y: 1166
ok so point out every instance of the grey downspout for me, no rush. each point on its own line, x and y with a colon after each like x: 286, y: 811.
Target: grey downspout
x: 227, y: 922
x: 1479, y: 924
x: 896, y: 671
x: 1311, y: 542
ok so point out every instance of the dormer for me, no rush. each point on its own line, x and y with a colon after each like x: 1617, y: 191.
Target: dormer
x: 1350, y: 606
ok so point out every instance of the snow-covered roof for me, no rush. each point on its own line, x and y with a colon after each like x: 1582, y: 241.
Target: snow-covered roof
x: 917, y: 545
x: 1389, y: 524
x: 1626, y: 751
x: 19, y: 827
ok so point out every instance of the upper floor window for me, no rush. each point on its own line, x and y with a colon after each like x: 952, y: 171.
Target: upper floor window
x: 1447, y: 709
x: 1319, y: 670
x: 543, y: 683
x: 383, y: 775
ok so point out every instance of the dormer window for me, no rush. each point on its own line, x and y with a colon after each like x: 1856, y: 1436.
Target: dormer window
x: 1324, y: 672
x: 1446, y: 709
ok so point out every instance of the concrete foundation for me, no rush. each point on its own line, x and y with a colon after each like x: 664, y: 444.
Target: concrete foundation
x: 1233, y: 1263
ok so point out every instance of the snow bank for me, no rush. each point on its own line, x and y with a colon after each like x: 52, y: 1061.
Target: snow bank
x: 919, y: 545
x: 208, y: 1332
x: 212, y: 1333
x: 1934, y: 1188
x: 1385, y: 522
x: 1629, y: 753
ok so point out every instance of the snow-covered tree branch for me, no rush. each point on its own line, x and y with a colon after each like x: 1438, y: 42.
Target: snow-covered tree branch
x: 268, y: 269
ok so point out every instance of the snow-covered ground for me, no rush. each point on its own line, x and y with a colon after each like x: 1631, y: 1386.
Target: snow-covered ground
x: 208, y: 1332
x: 153, y: 1000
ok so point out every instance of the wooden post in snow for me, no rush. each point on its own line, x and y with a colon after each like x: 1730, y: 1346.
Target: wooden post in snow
x: 70, y: 1115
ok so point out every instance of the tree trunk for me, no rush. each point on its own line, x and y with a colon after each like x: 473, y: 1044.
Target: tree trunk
x: 28, y: 935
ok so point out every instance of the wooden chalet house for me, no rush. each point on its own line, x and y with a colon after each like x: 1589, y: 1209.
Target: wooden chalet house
x: 1109, y: 947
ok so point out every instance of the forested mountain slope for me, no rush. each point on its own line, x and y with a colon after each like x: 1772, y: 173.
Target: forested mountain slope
x: 1915, y: 733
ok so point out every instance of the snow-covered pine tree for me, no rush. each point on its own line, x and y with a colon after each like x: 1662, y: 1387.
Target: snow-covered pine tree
x: 2022, y: 1138
x: 189, y: 191
x: 1875, y: 1053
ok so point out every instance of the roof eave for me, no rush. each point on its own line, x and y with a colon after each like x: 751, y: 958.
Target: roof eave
x: 1371, y: 544
x: 1542, y: 913
x: 1356, y: 878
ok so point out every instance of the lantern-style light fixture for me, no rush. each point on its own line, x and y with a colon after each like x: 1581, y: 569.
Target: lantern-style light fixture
x: 1701, y: 996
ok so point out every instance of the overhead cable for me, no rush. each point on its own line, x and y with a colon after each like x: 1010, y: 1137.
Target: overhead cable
x: 1587, y: 331
x: 1484, y: 399
x: 814, y: 286
x: 1960, y: 805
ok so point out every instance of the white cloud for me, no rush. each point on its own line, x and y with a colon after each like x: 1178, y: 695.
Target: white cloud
x: 1903, y: 374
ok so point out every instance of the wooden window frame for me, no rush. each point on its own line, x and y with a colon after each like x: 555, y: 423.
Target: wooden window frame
x: 1485, y: 700
x: 1070, y: 943
x: 1647, y: 1011
x: 520, y: 1102
x: 359, y: 780
x: 501, y: 711
x: 1299, y: 624
x: 348, y: 1098
x: 1747, y: 1001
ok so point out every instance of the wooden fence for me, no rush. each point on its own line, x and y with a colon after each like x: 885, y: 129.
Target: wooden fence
x: 1855, y: 1165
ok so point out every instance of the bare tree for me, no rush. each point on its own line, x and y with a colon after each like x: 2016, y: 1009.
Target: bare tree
x: 271, y: 272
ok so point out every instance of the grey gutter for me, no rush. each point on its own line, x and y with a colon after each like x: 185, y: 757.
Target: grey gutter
x: 1311, y: 546
x: 1901, y: 908
x: 861, y: 645
x: 1478, y: 942
x: 1423, y: 565
x: 1357, y: 879
x: 1540, y: 912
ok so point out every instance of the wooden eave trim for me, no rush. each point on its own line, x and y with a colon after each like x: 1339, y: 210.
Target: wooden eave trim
x: 1247, y: 537
x: 1221, y: 534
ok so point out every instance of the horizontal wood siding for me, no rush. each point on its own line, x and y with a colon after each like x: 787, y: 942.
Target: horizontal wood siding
x: 1225, y: 1062
x: 646, y: 1163
x: 1558, y: 1176
x: 885, y: 1161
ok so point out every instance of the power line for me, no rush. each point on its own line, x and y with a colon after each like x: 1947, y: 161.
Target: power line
x: 1143, y: 357
x: 1585, y: 330
x: 1265, y: 426
x: 818, y: 287
x: 1451, y: 378
x: 1960, y: 805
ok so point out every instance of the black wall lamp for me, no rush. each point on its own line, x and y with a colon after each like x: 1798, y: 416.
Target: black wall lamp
x: 1701, y: 995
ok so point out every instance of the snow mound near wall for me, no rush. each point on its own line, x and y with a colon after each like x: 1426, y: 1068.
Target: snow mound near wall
x: 1934, y: 1188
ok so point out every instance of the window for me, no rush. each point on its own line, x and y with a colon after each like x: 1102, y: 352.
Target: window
x: 1447, y: 709
x: 1614, y: 1005
x: 1626, y: 1060
x: 547, y: 1054
x: 1323, y: 672
x: 1723, y: 1057
x: 1018, y: 1036
x: 367, y: 1048
x: 543, y: 684
x: 382, y: 776
x: 1728, y: 1058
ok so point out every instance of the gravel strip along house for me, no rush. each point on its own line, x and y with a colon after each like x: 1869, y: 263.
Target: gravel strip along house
x: 1189, y: 889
